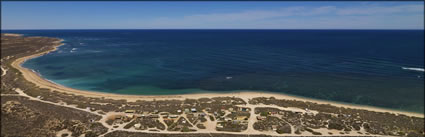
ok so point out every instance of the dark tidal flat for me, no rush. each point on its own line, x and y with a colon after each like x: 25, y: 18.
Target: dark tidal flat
x: 353, y: 66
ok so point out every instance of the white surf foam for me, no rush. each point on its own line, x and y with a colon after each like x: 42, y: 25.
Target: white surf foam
x: 414, y: 69
x: 36, y: 72
x: 52, y: 82
x: 73, y: 50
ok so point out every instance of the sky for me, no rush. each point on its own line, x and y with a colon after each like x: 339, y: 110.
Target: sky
x: 212, y: 15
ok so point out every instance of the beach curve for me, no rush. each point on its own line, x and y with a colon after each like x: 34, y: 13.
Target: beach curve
x: 245, y: 95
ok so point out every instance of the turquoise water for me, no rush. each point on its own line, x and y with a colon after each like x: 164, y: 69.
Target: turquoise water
x: 353, y: 66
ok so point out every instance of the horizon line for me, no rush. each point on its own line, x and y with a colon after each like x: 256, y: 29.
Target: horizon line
x: 204, y: 29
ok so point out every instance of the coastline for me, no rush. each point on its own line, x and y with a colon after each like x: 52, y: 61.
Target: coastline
x: 245, y: 95
x: 12, y: 34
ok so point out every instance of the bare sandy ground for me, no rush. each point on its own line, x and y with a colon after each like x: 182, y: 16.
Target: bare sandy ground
x: 245, y: 95
x: 210, y: 124
x: 11, y: 34
x: 3, y: 71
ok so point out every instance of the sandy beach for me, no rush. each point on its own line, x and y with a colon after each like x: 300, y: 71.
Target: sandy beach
x: 245, y: 95
x: 12, y: 34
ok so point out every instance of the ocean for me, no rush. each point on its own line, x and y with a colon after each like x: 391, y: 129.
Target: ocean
x: 382, y: 68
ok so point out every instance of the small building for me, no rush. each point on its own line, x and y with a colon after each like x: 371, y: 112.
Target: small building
x: 243, y: 109
x: 219, y: 126
x: 130, y: 116
x: 179, y: 111
x: 193, y: 110
x: 155, y: 111
x: 137, y: 126
x: 261, y: 117
x: 230, y: 109
x: 274, y: 127
x: 227, y: 119
x: 186, y: 110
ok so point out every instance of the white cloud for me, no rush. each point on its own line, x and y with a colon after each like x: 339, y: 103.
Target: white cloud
x: 365, y: 15
x: 381, y: 10
x: 298, y: 17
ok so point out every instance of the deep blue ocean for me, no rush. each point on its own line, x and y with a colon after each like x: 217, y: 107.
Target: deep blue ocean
x: 352, y: 66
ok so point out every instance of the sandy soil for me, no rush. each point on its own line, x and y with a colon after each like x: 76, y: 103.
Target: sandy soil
x: 245, y: 95
x: 3, y: 71
x: 11, y: 34
x: 210, y: 124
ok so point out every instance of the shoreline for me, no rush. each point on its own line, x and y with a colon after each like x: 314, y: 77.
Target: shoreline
x: 245, y: 95
x: 12, y: 34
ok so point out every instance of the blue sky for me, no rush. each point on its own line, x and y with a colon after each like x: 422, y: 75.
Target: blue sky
x: 212, y: 15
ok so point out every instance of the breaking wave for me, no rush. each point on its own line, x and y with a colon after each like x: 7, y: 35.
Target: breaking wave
x: 414, y: 69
